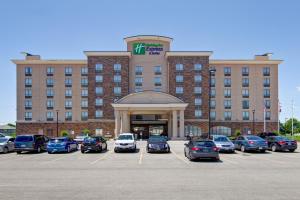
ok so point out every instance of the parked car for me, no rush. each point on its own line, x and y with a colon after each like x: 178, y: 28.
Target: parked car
x: 157, y: 144
x: 125, y: 142
x: 79, y: 138
x: 31, y: 143
x: 250, y: 143
x: 202, y: 148
x: 61, y: 144
x: 280, y: 143
x: 7, y: 144
x: 223, y: 143
x: 93, y: 143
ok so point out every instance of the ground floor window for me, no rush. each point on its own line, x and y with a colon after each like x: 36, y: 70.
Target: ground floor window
x: 191, y: 130
x: 221, y: 130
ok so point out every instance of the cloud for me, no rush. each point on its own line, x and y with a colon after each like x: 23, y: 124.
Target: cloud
x: 298, y: 88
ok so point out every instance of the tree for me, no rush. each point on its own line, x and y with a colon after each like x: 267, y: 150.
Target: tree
x: 86, y: 131
x: 287, y: 126
x: 237, y: 132
x: 64, y: 133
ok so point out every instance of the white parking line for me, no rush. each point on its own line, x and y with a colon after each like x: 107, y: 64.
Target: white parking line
x: 141, y: 156
x: 179, y: 157
x: 59, y: 158
x: 101, y: 158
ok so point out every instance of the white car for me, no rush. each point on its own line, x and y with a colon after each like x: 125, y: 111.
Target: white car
x: 125, y: 142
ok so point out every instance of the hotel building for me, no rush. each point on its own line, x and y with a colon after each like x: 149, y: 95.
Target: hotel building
x: 148, y: 89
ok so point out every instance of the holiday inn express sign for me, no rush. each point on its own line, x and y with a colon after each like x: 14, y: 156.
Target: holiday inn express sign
x: 151, y: 48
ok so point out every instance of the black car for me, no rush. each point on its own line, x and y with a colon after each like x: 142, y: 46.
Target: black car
x: 280, y: 143
x: 201, y: 148
x: 157, y: 144
x: 31, y: 143
x: 93, y: 143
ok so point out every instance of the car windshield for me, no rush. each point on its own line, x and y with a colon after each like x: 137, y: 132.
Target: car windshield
x: 157, y: 139
x: 24, y: 138
x: 281, y: 138
x: 2, y: 140
x: 125, y: 137
x: 254, y: 138
x: 57, y: 140
x: 81, y: 135
x: 90, y: 139
x: 221, y: 139
x: 204, y: 144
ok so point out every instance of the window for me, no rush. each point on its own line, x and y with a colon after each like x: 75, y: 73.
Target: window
x: 50, y: 93
x: 50, y: 71
x: 117, y: 90
x: 212, y: 82
x: 266, y: 93
x: 227, y: 104
x: 245, y: 71
x: 245, y: 93
x: 49, y: 116
x: 179, y: 67
x: 68, y: 93
x: 268, y: 115
x: 227, y: 93
x: 99, y: 90
x: 84, y: 103
x: 84, y: 93
x: 198, y: 78
x: 179, y: 78
x: 99, y: 78
x: 68, y: 116
x: 266, y: 82
x: 213, y: 115
x: 198, y: 67
x: 28, y: 104
x: 84, y: 82
x: 192, y: 130
x: 68, y: 82
x: 212, y: 104
x: 117, y: 67
x: 227, y: 71
x: 98, y: 114
x: 68, y: 71
x: 99, y: 67
x: 197, y: 90
x: 139, y: 81
x: 221, y: 130
x: 28, y: 116
x: 138, y: 70
x: 28, y: 71
x: 268, y: 104
x: 227, y: 115
x: 117, y: 78
x: 245, y: 82
x: 157, y: 70
x: 245, y: 104
x: 84, y: 71
x: 245, y: 115
x: 50, y: 104
x: 227, y: 82
x: 212, y: 93
x: 99, y: 102
x: 28, y: 82
x: 266, y: 71
x: 179, y: 90
x: 84, y: 115
x: 198, y: 113
x: 68, y: 104
x: 157, y: 81
x: 49, y: 82
x: 198, y: 101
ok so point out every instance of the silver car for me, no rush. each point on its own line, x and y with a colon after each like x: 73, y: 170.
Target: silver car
x: 223, y: 143
x: 7, y: 144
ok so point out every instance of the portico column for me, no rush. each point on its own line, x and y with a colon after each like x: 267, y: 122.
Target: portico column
x: 174, y: 123
x: 125, y: 121
x: 181, y: 124
x: 117, y: 123
x: 170, y: 125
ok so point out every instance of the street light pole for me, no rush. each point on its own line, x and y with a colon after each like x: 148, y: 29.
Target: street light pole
x: 57, y: 123
x: 253, y: 122
x: 211, y: 71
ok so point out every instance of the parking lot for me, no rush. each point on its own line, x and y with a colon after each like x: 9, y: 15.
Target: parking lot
x: 108, y: 175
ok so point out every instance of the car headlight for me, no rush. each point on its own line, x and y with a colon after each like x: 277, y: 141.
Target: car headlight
x: 117, y: 143
x: 166, y: 145
x: 150, y: 145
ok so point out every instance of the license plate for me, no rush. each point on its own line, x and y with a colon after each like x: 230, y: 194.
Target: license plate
x: 23, y: 145
x: 205, y: 150
x: 89, y: 148
x: 260, y: 148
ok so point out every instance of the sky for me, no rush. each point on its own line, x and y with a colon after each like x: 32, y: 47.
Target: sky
x: 233, y: 29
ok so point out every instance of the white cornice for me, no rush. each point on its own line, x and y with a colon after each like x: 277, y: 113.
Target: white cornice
x: 148, y: 37
x: 188, y: 53
x: 228, y: 62
x: 58, y: 62
x: 107, y: 53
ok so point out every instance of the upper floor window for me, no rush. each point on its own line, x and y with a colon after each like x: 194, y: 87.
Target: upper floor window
x: 245, y: 82
x: 198, y: 67
x: 227, y: 71
x: 49, y: 82
x: 212, y: 93
x: 28, y: 82
x: 50, y: 71
x: 198, y: 101
x: 68, y: 104
x: 84, y: 82
x: 179, y: 78
x: 157, y: 81
x: 28, y: 71
x: 227, y: 115
x: 157, y: 70
x: 84, y: 103
x: 227, y: 93
x: 227, y: 104
x: 212, y: 82
x: 266, y: 71
x: 68, y: 71
x: 245, y: 71
x: 99, y: 90
x: 227, y: 82
x: 50, y: 92
x: 99, y: 67
x: 28, y: 104
x: 68, y: 116
x: 99, y: 102
x: 68, y: 93
x: 98, y: 114
x: 266, y: 93
x: 139, y: 81
x: 267, y: 82
x: 198, y: 78
x: 245, y: 104
x: 197, y: 90
x: 245, y: 115
x: 99, y: 78
x: 68, y: 82
x: 28, y: 116
x: 267, y: 104
x: 84, y: 115
x: 84, y: 71
x: 268, y: 115
x: 84, y: 93
x: 245, y: 93
x: 212, y: 104
x: 117, y: 67
x: 117, y: 78
x: 50, y: 104
x: 213, y: 115
x: 179, y: 90
x: 49, y: 116
x: 179, y: 67
x: 139, y: 70
x: 28, y: 93
x: 198, y: 113
x: 117, y: 90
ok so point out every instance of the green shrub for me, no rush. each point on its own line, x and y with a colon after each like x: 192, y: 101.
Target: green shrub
x: 86, y: 131
x: 64, y: 133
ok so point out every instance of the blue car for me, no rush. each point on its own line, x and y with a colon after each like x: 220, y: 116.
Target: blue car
x: 62, y: 144
x: 250, y: 143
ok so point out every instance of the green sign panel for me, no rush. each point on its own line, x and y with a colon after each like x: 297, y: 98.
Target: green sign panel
x: 142, y: 48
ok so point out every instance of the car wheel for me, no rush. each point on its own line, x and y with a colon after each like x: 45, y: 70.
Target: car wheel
x: 274, y: 147
x: 291, y: 150
x: 115, y: 150
x: 49, y: 152
x: 243, y: 149
x: 262, y: 151
x: 18, y: 152
x: 100, y: 149
x: 82, y: 151
x: 185, y: 154
x: 217, y: 158
x: 105, y: 147
x: 39, y: 149
x: 190, y: 157
x: 5, y: 150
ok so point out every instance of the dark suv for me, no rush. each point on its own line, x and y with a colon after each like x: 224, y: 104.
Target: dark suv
x: 93, y: 143
x: 32, y: 143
